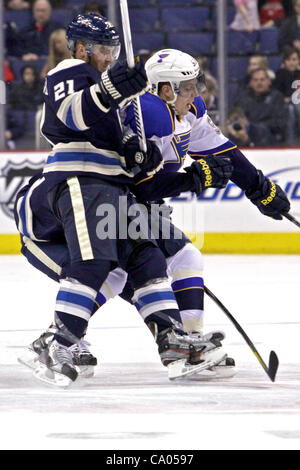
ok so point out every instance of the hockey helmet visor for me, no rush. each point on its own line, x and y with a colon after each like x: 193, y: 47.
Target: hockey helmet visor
x: 194, y: 86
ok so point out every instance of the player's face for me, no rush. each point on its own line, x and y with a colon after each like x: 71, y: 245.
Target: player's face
x: 188, y: 91
x: 103, y: 56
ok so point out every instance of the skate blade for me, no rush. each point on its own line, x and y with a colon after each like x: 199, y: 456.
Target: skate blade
x: 179, y: 369
x: 214, y: 373
x: 224, y: 372
x: 49, y: 377
x: 86, y: 371
x: 29, y: 359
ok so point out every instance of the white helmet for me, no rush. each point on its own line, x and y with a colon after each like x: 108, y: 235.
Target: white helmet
x: 173, y: 66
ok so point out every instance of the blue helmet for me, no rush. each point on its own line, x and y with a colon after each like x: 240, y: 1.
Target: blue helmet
x: 92, y: 29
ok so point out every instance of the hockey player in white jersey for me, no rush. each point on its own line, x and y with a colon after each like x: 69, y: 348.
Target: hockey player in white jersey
x: 175, y: 118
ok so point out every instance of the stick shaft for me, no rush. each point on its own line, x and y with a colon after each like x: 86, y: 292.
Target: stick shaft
x: 130, y: 61
x: 270, y: 373
x: 288, y: 216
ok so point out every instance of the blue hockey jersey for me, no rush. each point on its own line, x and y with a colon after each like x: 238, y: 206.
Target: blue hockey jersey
x: 86, y: 137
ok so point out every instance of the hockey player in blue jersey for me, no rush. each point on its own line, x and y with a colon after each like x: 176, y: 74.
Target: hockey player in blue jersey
x: 89, y: 166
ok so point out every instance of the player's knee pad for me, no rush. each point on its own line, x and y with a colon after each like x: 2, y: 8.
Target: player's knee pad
x: 113, y: 285
x: 189, y: 258
x: 146, y: 263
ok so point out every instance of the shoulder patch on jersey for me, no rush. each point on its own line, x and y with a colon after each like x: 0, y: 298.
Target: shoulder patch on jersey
x: 158, y: 117
x: 198, y: 107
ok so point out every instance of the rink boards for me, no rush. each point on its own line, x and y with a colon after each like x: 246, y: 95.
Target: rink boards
x: 219, y: 221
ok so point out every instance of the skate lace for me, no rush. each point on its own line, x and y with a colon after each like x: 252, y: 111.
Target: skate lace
x: 80, y: 348
x: 63, y: 354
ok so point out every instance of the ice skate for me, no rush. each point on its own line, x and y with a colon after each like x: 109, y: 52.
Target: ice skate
x: 83, y: 358
x: 30, y: 358
x: 56, y: 366
x: 186, y: 355
x: 224, y: 369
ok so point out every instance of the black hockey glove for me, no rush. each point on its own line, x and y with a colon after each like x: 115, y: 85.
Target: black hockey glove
x: 120, y: 83
x: 210, y: 172
x: 268, y: 197
x: 150, y: 162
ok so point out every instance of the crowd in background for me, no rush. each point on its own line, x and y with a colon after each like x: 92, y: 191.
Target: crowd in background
x: 264, y: 109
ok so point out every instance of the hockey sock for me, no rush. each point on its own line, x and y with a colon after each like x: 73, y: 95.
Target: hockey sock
x: 74, y: 305
x: 156, y: 303
x: 186, y: 268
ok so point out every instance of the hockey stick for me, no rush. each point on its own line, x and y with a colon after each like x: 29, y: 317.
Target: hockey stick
x: 130, y: 61
x: 271, y: 369
x: 291, y: 218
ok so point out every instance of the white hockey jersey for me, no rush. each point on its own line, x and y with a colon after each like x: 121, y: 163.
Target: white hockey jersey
x: 194, y: 134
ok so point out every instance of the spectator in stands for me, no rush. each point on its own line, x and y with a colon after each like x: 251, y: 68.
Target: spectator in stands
x: 58, y: 50
x: 209, y: 96
x: 15, y: 126
x: 246, y: 17
x: 92, y: 7
x: 237, y: 128
x: 271, y: 14
x: 265, y: 110
x: 36, y: 36
x: 287, y: 6
x: 26, y: 96
x: 17, y: 5
x: 12, y: 39
x: 202, y: 61
x: 289, y: 31
x: 8, y: 73
x: 256, y: 61
x: 287, y: 81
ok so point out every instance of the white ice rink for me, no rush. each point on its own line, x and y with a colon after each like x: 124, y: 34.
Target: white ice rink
x: 130, y: 403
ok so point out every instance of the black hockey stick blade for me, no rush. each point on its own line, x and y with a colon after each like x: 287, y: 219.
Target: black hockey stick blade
x: 292, y: 219
x: 273, y: 365
x: 271, y: 369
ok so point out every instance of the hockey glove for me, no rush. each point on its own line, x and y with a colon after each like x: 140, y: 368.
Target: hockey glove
x: 268, y: 197
x: 150, y: 162
x: 120, y: 84
x: 210, y: 172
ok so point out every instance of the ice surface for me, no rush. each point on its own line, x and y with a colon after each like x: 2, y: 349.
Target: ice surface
x: 130, y: 403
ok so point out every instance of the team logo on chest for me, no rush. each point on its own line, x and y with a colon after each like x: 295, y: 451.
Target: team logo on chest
x: 180, y: 144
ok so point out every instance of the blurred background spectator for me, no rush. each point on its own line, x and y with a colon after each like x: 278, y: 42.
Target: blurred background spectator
x: 238, y: 128
x: 287, y: 81
x: 256, y: 61
x: 28, y: 94
x: 265, y: 110
x: 247, y: 17
x: 92, y: 7
x: 17, y: 4
x: 58, y: 50
x: 35, y: 37
x: 289, y: 32
x: 271, y: 13
x: 15, y: 128
x: 8, y: 73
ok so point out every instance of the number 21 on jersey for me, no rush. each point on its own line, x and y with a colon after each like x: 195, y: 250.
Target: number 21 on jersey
x: 62, y: 89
